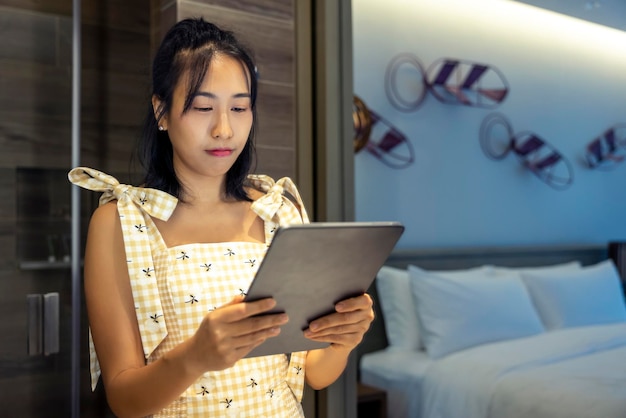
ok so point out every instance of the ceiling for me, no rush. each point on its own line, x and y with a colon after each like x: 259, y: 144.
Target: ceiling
x: 605, y: 12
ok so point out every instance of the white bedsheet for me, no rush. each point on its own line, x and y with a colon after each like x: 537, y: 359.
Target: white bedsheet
x: 573, y: 373
x: 399, y: 373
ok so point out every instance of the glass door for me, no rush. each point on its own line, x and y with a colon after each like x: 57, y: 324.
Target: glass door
x: 36, y: 301
x: 35, y: 282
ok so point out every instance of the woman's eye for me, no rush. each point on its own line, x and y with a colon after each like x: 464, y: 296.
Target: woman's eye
x: 203, y: 109
x: 239, y: 109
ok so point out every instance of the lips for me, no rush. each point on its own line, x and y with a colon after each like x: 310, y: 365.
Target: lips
x: 220, y: 152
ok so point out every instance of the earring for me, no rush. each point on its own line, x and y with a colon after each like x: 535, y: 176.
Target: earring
x: 161, y: 128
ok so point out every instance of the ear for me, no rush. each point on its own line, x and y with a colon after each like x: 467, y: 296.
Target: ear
x: 157, y: 105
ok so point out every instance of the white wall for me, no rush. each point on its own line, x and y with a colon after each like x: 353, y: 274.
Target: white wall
x: 567, y: 84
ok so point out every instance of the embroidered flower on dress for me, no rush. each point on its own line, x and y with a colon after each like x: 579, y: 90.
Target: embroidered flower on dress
x: 204, y: 386
x: 153, y: 324
x: 191, y: 295
x: 183, y: 256
x: 253, y: 377
x: 192, y: 300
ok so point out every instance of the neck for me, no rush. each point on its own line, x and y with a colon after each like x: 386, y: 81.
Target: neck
x: 205, y: 191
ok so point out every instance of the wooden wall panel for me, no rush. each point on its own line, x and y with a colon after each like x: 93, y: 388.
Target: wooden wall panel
x: 279, y: 9
x: 33, y: 89
x: 271, y: 41
x: 53, y: 7
x: 28, y: 36
x: 35, y: 110
x: 276, y: 115
x: 114, y: 98
x: 35, y: 78
x: 40, y: 142
x: 276, y: 162
x: 129, y: 14
x: 115, y: 50
x: 267, y: 28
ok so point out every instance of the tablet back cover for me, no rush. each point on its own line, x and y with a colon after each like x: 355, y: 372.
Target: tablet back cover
x: 308, y: 268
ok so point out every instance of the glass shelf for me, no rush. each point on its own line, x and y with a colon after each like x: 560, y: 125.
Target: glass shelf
x: 44, y: 265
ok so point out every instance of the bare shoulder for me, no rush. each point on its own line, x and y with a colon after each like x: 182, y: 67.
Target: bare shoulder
x: 105, y: 215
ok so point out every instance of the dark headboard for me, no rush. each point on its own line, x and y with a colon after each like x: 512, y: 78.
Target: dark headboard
x: 461, y: 258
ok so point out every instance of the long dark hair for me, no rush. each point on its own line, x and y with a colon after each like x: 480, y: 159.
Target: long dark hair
x: 189, y: 46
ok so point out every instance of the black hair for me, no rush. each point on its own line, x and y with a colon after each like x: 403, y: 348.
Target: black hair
x: 188, y: 47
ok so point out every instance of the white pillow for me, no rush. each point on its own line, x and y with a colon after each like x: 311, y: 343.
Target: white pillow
x: 396, y: 304
x: 458, y: 313
x: 591, y: 295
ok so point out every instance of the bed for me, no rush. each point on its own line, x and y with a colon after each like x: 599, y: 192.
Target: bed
x: 499, y: 332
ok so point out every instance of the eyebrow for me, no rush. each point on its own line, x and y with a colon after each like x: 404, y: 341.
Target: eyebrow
x: 213, y: 96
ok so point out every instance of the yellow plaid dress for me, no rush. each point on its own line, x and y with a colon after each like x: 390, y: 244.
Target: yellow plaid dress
x: 174, y: 288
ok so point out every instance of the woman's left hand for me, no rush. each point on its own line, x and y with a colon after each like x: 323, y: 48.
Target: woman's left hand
x: 345, y: 327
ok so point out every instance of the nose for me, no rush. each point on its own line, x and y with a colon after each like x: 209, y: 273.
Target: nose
x: 222, y: 128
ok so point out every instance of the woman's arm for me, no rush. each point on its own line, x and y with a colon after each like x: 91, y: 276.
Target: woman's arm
x: 344, y: 329
x: 130, y: 387
x: 134, y: 388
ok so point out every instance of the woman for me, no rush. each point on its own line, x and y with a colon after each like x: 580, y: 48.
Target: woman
x: 167, y: 265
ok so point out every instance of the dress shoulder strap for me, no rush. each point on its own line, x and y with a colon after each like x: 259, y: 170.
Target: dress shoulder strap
x: 135, y: 206
x: 275, y: 207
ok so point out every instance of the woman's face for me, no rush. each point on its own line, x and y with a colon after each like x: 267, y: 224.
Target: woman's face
x: 209, y: 137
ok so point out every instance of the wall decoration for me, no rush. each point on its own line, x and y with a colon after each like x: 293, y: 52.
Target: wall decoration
x: 541, y: 158
x: 379, y: 137
x: 607, y: 150
x: 405, y: 82
x: 451, y: 81
x: 463, y: 82
x: 362, y: 122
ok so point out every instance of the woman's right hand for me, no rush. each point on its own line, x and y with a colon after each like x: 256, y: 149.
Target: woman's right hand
x: 228, y: 333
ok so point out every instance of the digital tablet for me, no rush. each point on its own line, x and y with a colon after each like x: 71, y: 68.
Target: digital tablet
x: 308, y: 268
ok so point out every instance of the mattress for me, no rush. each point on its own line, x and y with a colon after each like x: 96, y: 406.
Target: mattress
x: 570, y: 373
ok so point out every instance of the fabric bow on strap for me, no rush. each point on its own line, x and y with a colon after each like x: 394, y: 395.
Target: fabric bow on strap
x: 269, y: 205
x: 132, y: 204
x: 156, y: 203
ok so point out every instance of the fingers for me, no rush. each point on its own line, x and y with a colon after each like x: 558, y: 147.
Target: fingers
x: 347, y: 325
x: 236, y: 309
x: 234, y: 329
x: 249, y: 319
x: 338, y: 326
x: 248, y: 341
x: 346, y: 340
x: 348, y: 311
x: 363, y: 301
x: 259, y: 324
